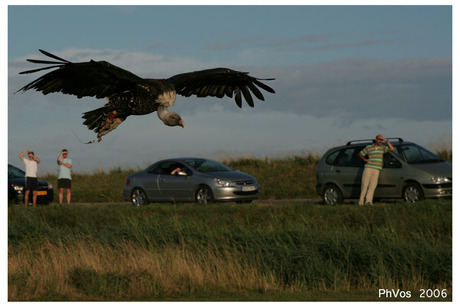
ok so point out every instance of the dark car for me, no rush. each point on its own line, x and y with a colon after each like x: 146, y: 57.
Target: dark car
x: 410, y: 172
x: 16, y: 183
x: 190, y: 179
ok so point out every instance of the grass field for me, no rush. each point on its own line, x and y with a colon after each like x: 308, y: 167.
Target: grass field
x: 228, y: 252
x: 294, y: 251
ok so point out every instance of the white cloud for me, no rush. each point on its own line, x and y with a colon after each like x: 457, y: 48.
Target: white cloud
x: 365, y: 88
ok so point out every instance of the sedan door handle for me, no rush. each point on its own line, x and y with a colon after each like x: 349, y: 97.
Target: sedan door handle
x: 337, y: 171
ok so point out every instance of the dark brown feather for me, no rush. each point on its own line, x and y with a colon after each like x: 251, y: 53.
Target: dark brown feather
x: 128, y: 94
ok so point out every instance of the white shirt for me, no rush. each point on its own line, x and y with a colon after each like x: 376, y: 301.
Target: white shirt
x: 31, y: 167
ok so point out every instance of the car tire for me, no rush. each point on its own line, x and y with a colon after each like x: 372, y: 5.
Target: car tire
x: 203, y: 195
x: 412, y: 193
x: 138, y: 197
x: 332, y: 195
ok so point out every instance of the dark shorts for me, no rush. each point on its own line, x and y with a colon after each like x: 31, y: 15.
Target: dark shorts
x: 31, y: 184
x: 64, y: 183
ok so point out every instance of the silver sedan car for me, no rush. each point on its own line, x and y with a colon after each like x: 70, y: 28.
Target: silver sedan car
x: 190, y: 179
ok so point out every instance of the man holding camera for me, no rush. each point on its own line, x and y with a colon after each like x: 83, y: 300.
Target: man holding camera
x: 31, y: 164
x: 64, y: 177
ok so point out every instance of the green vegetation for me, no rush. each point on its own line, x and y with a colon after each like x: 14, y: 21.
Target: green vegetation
x: 442, y: 147
x: 228, y: 252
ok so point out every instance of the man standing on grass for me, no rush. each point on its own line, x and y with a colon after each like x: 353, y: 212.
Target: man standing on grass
x: 64, y: 177
x: 374, y: 164
x: 31, y: 165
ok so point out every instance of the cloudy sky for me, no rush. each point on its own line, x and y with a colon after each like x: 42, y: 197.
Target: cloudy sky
x: 342, y: 73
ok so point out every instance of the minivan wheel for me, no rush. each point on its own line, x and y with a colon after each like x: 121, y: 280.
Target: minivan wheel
x: 138, y: 197
x: 332, y: 195
x: 203, y: 195
x: 412, y: 193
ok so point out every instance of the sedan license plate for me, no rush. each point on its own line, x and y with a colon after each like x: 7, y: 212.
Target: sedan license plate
x: 248, y: 188
x: 42, y: 192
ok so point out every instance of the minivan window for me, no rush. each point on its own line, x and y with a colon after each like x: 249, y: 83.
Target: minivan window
x: 414, y: 154
x: 390, y: 161
x: 346, y: 157
x: 331, y: 158
x: 349, y: 157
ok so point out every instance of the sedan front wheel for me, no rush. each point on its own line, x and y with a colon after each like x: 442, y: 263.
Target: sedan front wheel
x: 203, y: 195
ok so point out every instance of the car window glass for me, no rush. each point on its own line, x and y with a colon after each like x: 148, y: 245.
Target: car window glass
x: 166, y: 168
x: 350, y: 158
x: 155, y: 170
x: 390, y: 161
x: 162, y: 168
x: 331, y: 158
x: 417, y: 154
x: 187, y: 170
x: 207, y: 166
x: 171, y: 167
x: 14, y: 172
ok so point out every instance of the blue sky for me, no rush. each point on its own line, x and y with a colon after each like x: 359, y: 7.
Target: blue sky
x: 342, y: 73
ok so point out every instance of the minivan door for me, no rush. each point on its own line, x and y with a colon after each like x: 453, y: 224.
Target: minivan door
x: 349, y: 169
x: 390, y: 181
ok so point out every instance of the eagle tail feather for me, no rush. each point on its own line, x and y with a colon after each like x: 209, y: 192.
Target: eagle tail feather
x: 102, y: 120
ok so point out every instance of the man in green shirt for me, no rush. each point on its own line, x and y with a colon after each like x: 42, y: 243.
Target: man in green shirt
x: 374, y: 164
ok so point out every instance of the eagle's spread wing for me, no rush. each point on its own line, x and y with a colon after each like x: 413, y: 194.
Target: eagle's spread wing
x: 129, y: 94
x: 218, y: 82
x: 95, y: 79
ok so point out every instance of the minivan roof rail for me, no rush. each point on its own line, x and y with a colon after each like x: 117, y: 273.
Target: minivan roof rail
x: 400, y: 140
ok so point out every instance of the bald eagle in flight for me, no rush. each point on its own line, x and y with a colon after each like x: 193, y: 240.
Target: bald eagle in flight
x: 128, y: 94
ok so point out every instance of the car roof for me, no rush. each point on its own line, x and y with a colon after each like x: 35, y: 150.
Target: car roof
x: 365, y: 142
x: 369, y: 141
x: 181, y: 159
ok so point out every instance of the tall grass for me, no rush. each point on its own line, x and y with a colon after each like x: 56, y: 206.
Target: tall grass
x: 442, y: 147
x: 227, y: 251
x: 98, y: 186
x: 280, y: 178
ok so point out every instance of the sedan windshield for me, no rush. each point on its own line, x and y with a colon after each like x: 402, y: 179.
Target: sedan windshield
x: 415, y: 154
x: 207, y: 166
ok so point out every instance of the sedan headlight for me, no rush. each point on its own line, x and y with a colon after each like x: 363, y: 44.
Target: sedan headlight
x: 439, y: 180
x: 224, y: 183
x: 50, y: 186
x: 18, y: 187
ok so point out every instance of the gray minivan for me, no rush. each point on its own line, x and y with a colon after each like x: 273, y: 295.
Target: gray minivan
x: 410, y: 172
